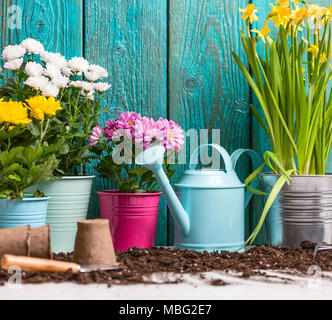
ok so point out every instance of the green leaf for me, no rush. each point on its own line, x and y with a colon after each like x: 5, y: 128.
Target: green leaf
x: 14, y: 177
x: 273, y: 195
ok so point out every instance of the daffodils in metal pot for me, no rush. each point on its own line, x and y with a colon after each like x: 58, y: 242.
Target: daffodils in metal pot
x: 290, y: 77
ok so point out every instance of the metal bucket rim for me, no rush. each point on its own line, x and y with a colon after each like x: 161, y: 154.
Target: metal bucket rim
x: 328, y: 175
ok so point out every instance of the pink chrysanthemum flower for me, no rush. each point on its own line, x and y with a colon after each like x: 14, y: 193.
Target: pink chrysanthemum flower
x: 146, y: 132
x: 126, y: 120
x: 110, y: 128
x: 95, y: 136
x: 173, y: 135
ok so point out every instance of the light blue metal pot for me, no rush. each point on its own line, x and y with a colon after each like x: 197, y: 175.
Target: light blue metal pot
x: 17, y: 213
x: 210, y: 206
x: 274, y: 216
x: 69, y: 204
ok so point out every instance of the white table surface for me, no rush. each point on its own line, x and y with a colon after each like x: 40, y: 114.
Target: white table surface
x: 193, y: 288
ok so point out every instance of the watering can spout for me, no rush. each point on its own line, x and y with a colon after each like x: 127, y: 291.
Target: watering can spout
x: 152, y: 159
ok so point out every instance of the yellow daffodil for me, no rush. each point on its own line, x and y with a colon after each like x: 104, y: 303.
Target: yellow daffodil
x: 327, y: 16
x: 323, y: 57
x: 14, y: 113
x: 41, y: 105
x: 264, y: 32
x: 283, y: 3
x: 280, y: 15
x: 315, y: 11
x: 249, y: 13
x: 299, y: 15
x: 314, y: 50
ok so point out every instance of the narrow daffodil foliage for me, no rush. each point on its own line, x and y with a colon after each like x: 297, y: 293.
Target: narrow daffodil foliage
x: 290, y: 75
x: 291, y: 82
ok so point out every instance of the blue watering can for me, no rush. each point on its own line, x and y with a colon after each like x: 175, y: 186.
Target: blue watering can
x: 208, y: 206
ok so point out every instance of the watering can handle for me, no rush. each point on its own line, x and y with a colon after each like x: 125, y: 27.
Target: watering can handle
x: 255, y: 162
x: 224, y: 154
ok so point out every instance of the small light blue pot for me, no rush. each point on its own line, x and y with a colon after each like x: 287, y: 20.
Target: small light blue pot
x: 17, y: 213
x: 274, y: 216
x: 69, y: 204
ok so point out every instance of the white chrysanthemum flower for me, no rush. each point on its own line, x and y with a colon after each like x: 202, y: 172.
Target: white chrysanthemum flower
x: 13, y: 64
x: 95, y: 73
x: 67, y: 72
x: 37, y: 83
x: 55, y: 58
x: 92, y: 76
x: 78, y: 64
x: 84, y: 85
x: 33, y: 46
x: 88, y: 94
x: 33, y: 69
x: 60, y: 81
x: 50, y: 91
x: 13, y: 52
x: 52, y: 70
x: 102, y: 86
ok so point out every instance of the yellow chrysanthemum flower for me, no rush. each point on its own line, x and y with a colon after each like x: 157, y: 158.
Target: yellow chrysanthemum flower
x: 41, y: 104
x: 14, y: 113
x: 249, y: 13
x: 37, y: 114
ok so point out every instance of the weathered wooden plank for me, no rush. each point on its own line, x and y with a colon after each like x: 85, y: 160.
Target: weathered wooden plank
x: 206, y: 88
x: 260, y: 140
x: 57, y: 24
x: 130, y: 39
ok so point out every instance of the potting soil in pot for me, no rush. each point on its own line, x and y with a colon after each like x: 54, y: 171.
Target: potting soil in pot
x: 140, y: 264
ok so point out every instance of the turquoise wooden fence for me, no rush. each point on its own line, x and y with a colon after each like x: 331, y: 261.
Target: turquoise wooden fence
x: 169, y: 58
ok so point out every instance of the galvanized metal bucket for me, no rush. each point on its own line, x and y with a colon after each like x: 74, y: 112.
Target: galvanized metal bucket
x: 28, y: 211
x: 273, y: 219
x: 305, y: 210
x: 69, y: 204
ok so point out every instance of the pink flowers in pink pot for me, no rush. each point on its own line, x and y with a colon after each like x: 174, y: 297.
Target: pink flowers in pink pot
x: 139, y: 132
x: 143, y: 130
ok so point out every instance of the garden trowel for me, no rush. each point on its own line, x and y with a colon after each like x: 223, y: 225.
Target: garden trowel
x: 28, y: 264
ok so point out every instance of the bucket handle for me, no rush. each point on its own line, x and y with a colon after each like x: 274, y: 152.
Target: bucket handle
x: 255, y: 162
x: 224, y: 154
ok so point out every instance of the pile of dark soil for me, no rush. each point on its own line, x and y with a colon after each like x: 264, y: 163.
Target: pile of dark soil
x: 138, y: 264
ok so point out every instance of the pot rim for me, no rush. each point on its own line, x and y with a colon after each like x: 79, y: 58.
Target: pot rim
x: 297, y: 176
x: 116, y: 192
x: 27, y: 198
x: 73, y: 178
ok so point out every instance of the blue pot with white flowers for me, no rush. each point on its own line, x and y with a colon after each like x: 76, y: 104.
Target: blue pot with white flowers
x: 28, y: 211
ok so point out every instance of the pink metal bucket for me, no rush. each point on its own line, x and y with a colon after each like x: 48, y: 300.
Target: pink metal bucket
x: 133, y: 217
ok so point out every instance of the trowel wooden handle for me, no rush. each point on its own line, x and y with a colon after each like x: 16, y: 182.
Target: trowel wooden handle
x: 28, y: 264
